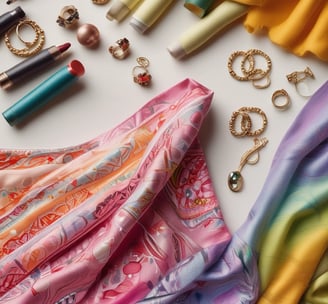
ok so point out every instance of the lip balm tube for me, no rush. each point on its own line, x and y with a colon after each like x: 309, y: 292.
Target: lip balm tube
x: 198, y: 7
x: 147, y: 14
x: 44, y: 92
x: 197, y: 35
x: 120, y: 9
x: 7, y: 20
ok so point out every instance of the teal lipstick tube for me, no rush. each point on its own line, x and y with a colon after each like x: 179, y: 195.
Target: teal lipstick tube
x: 44, y: 92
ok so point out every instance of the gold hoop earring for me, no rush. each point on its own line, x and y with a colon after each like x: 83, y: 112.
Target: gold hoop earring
x: 299, y: 77
x: 140, y: 73
x: 276, y: 95
x: 32, y: 47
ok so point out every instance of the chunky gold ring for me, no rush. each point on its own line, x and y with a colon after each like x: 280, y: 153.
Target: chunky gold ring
x: 245, y: 124
x: 231, y: 59
x: 121, y: 49
x: 260, y: 72
x: 276, y: 95
x: 32, y: 47
x: 140, y: 72
x: 68, y: 16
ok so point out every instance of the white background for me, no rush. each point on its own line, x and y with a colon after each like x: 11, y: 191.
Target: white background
x: 106, y: 94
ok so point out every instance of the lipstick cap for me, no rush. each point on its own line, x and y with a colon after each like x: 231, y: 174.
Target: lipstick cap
x: 7, y: 20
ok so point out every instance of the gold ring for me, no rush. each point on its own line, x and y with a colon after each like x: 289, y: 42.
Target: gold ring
x: 121, y: 49
x: 32, y: 47
x: 68, y: 16
x: 276, y: 95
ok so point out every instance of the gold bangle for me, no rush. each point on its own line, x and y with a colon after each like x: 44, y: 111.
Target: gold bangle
x: 32, y: 47
x: 276, y: 95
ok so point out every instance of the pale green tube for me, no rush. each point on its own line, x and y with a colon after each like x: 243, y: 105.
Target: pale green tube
x: 223, y: 15
x: 148, y: 13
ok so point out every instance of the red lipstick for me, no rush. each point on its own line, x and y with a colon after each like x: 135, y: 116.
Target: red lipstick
x: 32, y: 65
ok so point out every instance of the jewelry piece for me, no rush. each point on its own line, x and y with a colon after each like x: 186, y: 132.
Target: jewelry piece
x: 32, y: 47
x: 281, y: 93
x: 121, y: 49
x: 140, y: 72
x: 250, y: 73
x: 88, y: 35
x: 100, y: 1
x: 68, y: 16
x: 235, y: 179
x: 246, y: 123
x: 231, y: 59
x: 300, y: 76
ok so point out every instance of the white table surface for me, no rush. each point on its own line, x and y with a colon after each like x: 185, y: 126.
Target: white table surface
x: 106, y: 94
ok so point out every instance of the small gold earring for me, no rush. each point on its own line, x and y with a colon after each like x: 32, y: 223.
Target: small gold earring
x: 140, y: 72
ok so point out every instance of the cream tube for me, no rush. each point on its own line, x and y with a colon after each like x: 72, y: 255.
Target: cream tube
x: 223, y: 15
x: 120, y: 9
x: 147, y: 14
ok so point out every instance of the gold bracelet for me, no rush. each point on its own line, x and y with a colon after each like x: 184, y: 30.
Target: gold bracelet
x: 32, y: 47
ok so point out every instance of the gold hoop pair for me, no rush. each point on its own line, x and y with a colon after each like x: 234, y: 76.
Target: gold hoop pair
x: 246, y: 122
x: 31, y: 47
x: 248, y: 68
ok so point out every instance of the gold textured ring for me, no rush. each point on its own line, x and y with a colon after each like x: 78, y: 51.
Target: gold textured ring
x: 252, y: 73
x: 232, y: 58
x: 32, y: 47
x: 281, y: 93
x: 68, y: 16
x: 245, y: 124
x: 121, y: 49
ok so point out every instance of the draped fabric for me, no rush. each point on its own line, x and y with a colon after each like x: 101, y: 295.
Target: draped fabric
x: 131, y: 216
x: 299, y: 26
x: 280, y: 254
x: 104, y: 221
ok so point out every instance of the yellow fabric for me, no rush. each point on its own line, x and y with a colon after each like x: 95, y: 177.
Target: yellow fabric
x: 299, y: 26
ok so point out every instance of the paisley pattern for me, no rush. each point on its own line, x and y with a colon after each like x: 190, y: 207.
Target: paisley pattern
x: 105, y: 221
x: 132, y: 217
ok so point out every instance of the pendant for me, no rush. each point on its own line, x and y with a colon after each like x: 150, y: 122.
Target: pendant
x: 235, y: 181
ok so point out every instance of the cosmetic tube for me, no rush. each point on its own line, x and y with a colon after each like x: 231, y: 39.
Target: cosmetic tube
x: 44, y: 92
x: 198, y: 7
x: 7, y: 20
x: 120, y: 9
x: 148, y: 13
x: 30, y: 66
x: 217, y: 19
